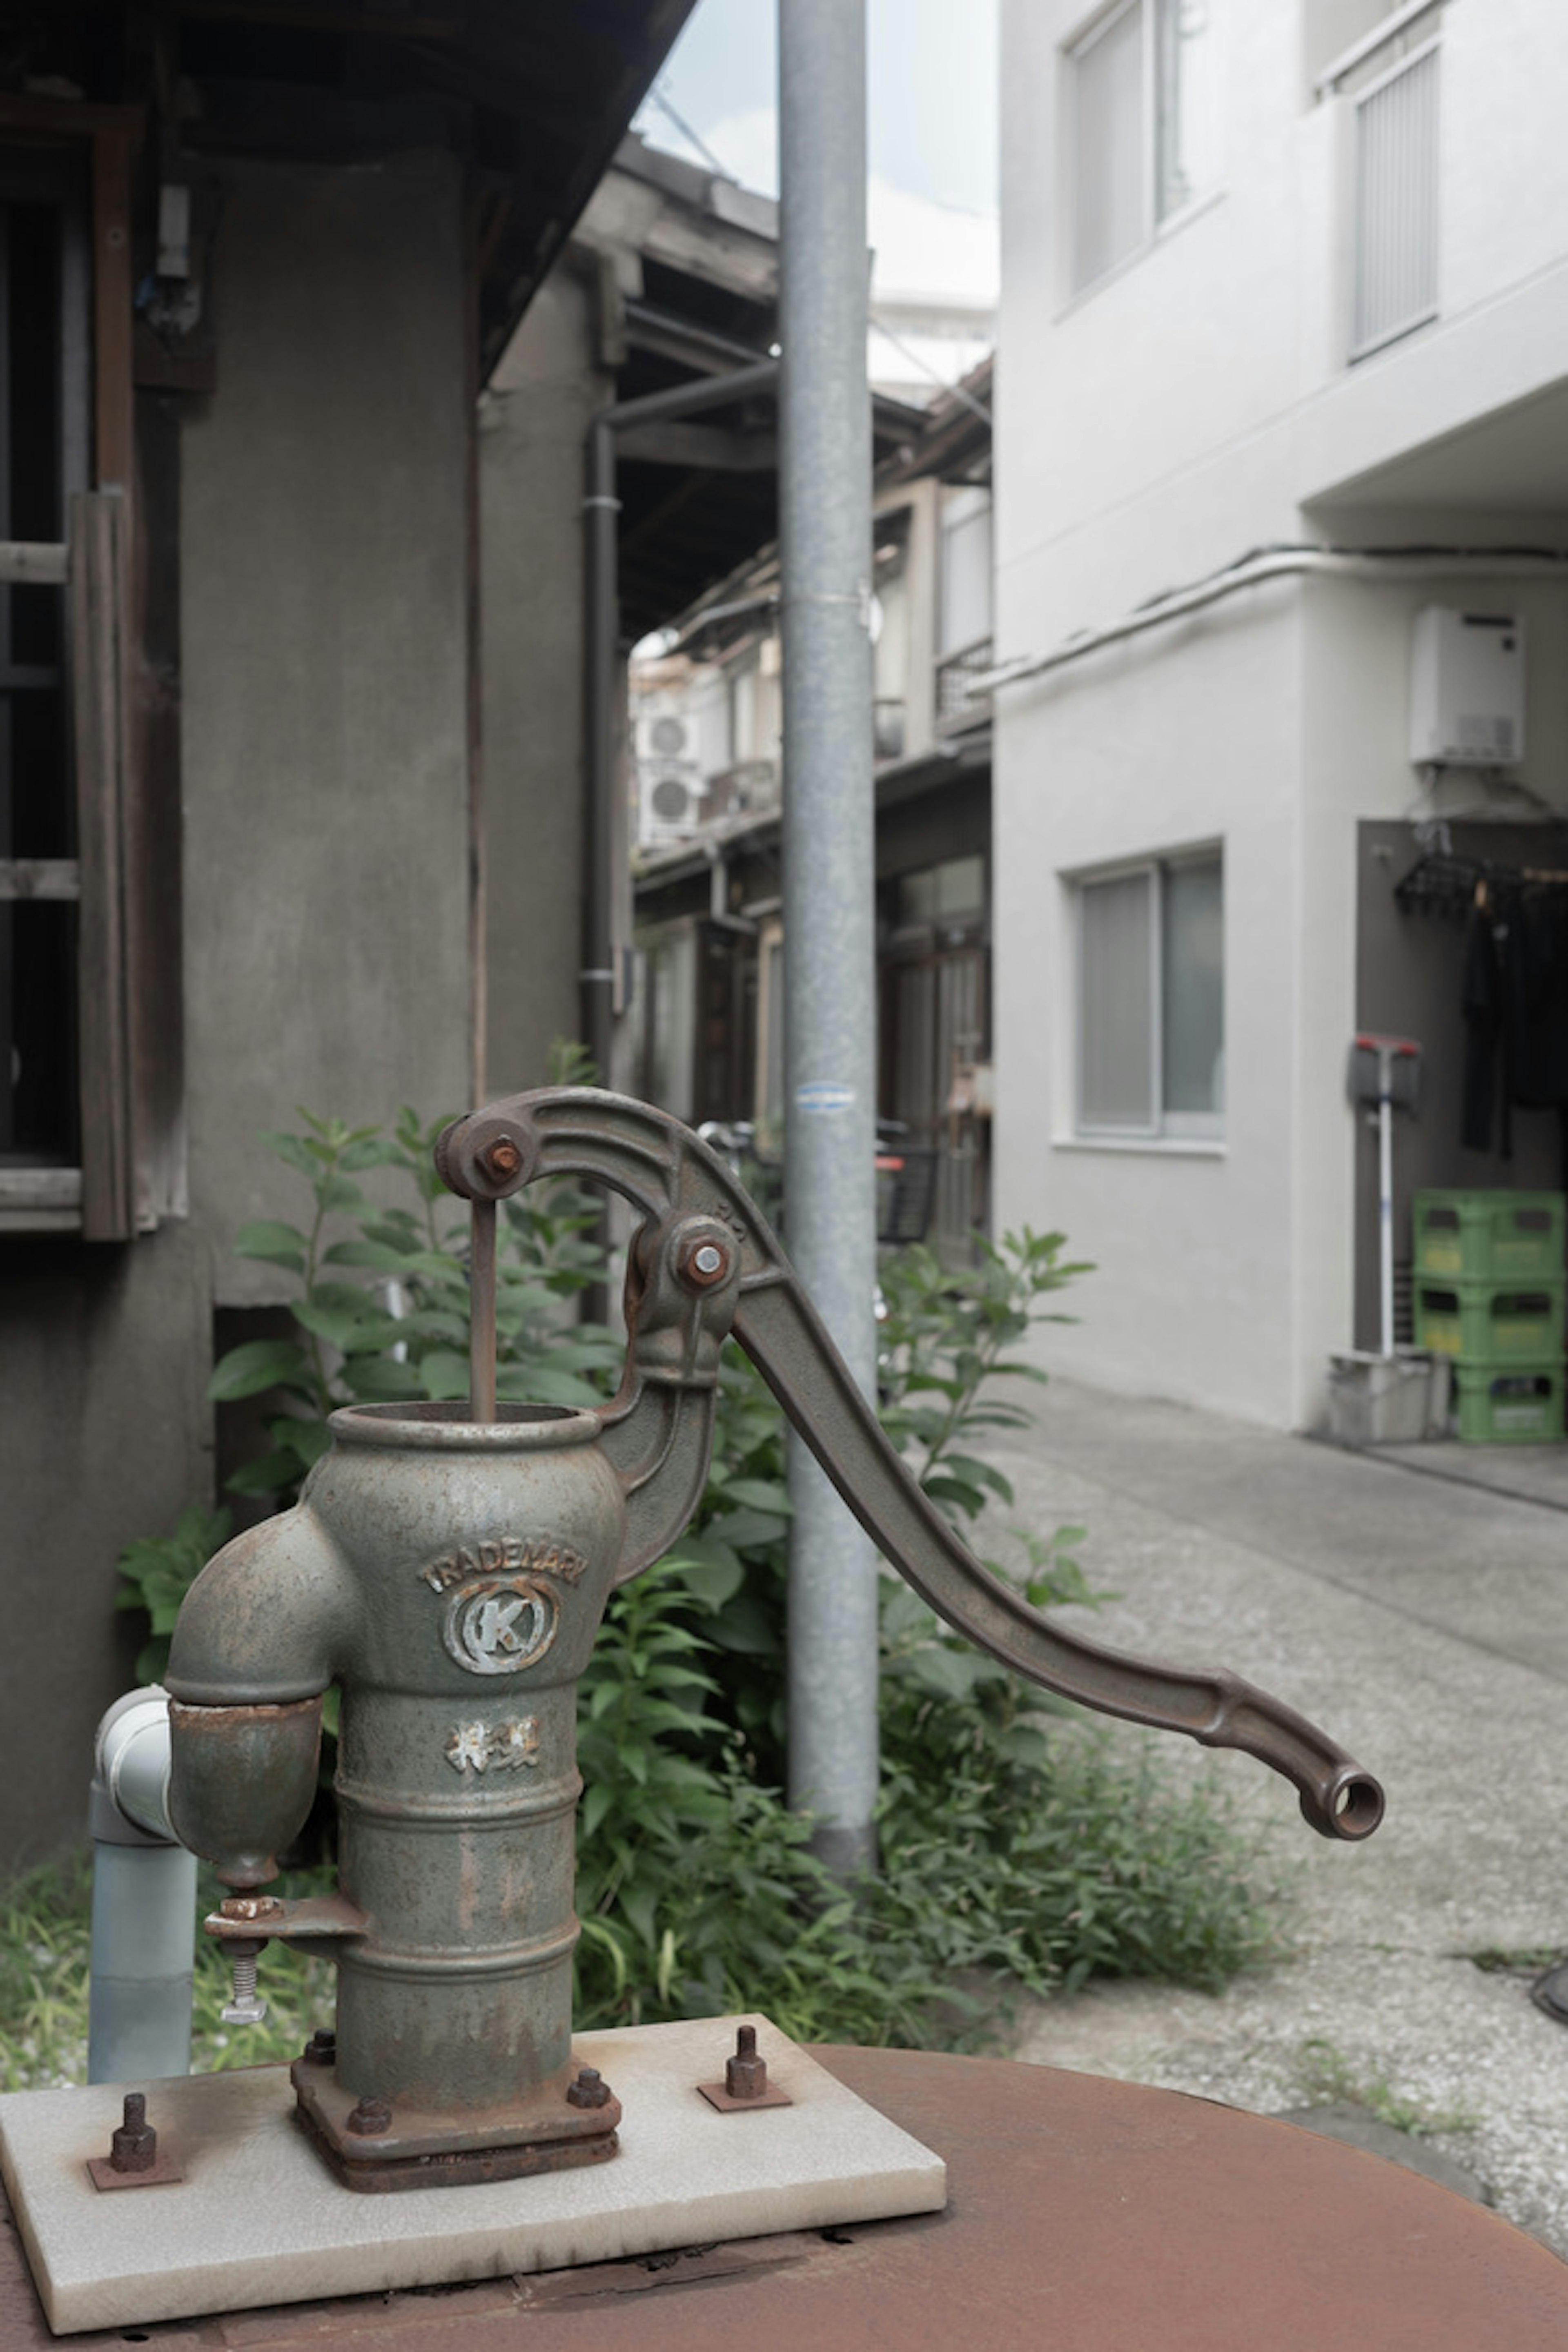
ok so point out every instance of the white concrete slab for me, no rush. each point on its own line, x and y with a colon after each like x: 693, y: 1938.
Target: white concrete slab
x: 258, y: 2217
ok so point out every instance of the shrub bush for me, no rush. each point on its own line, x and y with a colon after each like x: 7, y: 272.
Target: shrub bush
x: 1015, y: 1842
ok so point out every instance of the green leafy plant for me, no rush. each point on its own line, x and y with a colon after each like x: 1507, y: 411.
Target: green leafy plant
x: 405, y: 1332
x: 157, y: 1571
x: 45, y: 1938
x: 1014, y: 1843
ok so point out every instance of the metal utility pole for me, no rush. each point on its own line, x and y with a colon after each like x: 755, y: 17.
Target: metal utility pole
x: 830, y: 1003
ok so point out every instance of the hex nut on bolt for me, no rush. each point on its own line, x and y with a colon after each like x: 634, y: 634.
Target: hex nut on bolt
x: 249, y: 1909
x: 501, y: 1159
x: 321, y: 2048
x: 371, y: 2117
x: 589, y: 2090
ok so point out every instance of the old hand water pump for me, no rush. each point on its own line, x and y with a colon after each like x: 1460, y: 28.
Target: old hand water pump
x: 447, y: 1568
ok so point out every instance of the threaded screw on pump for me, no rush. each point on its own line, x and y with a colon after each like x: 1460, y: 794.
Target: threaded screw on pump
x: 244, y: 2007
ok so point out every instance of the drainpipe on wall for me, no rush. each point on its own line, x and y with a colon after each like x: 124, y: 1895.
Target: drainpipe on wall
x: 601, y: 513
x: 144, y: 1901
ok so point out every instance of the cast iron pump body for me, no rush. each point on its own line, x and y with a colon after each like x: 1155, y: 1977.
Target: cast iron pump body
x: 447, y: 1568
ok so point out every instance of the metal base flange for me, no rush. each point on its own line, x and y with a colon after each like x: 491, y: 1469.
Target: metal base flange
x: 429, y: 2148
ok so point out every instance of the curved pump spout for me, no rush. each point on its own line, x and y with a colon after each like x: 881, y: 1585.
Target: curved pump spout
x: 682, y: 1188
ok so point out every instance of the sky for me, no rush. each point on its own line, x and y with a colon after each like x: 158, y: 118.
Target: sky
x: 931, y: 130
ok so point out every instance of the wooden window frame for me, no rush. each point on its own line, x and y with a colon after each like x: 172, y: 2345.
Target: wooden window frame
x: 99, y: 1200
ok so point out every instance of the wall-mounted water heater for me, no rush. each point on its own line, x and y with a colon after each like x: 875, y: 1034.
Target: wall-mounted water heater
x: 1467, y: 688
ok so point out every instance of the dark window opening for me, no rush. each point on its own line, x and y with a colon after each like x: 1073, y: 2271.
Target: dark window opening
x: 44, y: 395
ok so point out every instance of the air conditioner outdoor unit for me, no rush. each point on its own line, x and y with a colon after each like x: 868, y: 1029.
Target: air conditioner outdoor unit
x: 666, y: 736
x: 671, y: 802
x: 1467, y: 688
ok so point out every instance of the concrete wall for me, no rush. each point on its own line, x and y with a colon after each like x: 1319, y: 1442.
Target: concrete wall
x: 533, y: 424
x: 1191, y: 407
x: 1276, y: 725
x: 324, y: 583
x: 103, y: 1362
x: 323, y: 550
x: 1200, y: 393
x: 1121, y: 758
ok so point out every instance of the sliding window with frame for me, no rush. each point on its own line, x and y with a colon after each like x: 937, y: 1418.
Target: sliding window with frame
x: 1151, y: 1000
x: 1143, y: 117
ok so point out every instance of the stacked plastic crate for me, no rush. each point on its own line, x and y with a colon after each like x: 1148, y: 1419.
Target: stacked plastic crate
x: 1488, y: 1280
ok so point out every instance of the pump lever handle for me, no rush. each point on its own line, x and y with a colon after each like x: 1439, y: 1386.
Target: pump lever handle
x: 665, y: 1171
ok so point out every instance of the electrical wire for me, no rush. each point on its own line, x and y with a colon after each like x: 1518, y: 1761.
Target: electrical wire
x: 667, y: 106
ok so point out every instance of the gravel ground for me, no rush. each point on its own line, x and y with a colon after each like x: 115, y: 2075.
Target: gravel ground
x: 1426, y: 1625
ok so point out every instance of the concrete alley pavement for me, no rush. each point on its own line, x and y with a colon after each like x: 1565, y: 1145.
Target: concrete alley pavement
x: 1424, y: 1622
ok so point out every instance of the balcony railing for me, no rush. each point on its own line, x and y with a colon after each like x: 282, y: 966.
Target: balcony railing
x: 957, y: 704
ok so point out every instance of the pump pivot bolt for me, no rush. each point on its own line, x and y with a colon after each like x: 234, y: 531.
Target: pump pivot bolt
x: 321, y: 2048
x: 589, y: 2090
x: 501, y: 1159
x: 746, y: 2075
x: 371, y: 2117
x: 702, y: 1264
x: 133, y: 2145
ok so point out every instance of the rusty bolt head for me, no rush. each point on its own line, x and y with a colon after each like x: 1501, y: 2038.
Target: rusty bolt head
x: 589, y: 2090
x: 745, y: 2074
x: 702, y: 1264
x: 321, y: 2048
x: 249, y: 1907
x: 133, y: 2145
x: 371, y: 2117
x: 501, y: 1159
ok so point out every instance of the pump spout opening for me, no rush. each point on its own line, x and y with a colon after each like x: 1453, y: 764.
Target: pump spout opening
x: 1351, y: 1808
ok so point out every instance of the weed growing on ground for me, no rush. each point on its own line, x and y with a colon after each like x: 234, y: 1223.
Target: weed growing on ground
x: 45, y: 1936
x: 1017, y: 1844
x: 1327, y: 2074
x: 1519, y: 1959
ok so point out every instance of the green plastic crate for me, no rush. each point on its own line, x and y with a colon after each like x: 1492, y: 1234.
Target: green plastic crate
x: 1488, y: 1235
x: 1520, y: 1404
x: 1490, y: 1322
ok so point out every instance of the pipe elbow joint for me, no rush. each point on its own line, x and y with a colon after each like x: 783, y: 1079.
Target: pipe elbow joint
x: 262, y: 1631
x: 267, y: 1622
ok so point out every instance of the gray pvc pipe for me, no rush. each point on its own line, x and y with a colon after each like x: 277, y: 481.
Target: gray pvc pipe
x: 144, y: 1901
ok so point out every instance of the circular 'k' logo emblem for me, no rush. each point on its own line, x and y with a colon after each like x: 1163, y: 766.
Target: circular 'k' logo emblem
x: 500, y: 1625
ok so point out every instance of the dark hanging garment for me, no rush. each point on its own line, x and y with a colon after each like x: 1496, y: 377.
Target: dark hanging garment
x: 1535, y: 998
x: 1535, y: 1005
x: 1482, y: 1004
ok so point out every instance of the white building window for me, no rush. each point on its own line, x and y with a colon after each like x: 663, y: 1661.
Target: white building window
x: 1144, y: 127
x: 1396, y: 164
x: 1151, y: 999
x: 963, y: 605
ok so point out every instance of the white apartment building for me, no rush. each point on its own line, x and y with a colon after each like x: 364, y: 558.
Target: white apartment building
x: 1286, y: 275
